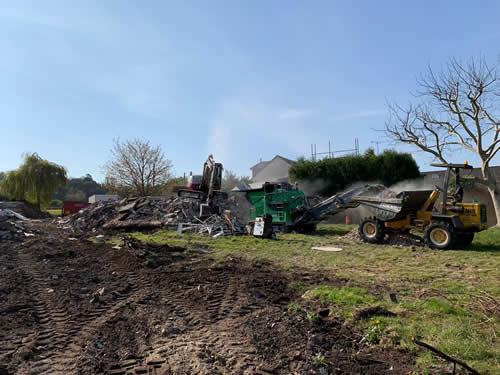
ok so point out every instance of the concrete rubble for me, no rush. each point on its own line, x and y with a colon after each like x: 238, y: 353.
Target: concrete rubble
x: 25, y: 209
x: 12, y: 227
x: 181, y: 214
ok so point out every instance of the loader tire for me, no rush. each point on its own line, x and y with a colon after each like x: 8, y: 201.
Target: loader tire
x: 440, y: 235
x: 464, y: 239
x: 372, y: 230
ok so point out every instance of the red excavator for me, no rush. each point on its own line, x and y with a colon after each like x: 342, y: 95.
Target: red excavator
x: 205, y: 187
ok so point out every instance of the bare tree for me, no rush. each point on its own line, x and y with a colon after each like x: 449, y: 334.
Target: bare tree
x: 138, y: 167
x: 456, y: 108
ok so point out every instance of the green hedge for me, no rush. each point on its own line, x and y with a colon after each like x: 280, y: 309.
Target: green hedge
x: 337, y: 174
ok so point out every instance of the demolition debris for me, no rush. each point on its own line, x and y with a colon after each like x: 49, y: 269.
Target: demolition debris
x: 12, y: 226
x: 181, y: 214
x: 25, y: 209
x: 391, y: 239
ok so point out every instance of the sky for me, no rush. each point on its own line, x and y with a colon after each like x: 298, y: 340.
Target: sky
x: 242, y: 80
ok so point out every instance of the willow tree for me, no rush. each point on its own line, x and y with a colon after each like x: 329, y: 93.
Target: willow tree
x: 457, y: 108
x: 35, y: 180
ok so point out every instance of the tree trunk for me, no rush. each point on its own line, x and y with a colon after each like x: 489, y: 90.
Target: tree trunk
x: 495, y: 198
x: 493, y: 189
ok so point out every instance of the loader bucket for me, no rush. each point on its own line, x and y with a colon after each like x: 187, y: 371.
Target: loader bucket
x: 395, y: 208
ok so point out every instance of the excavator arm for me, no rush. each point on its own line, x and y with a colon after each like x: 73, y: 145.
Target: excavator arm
x: 212, y: 177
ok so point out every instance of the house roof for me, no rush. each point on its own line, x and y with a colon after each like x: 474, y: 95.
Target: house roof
x: 289, y: 161
x: 262, y: 164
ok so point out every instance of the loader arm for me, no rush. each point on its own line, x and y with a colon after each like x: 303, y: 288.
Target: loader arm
x: 334, y: 205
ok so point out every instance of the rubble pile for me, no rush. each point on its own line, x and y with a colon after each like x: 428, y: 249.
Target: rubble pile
x: 401, y: 239
x: 24, y: 208
x: 391, y: 239
x: 12, y: 226
x: 380, y: 191
x: 148, y: 213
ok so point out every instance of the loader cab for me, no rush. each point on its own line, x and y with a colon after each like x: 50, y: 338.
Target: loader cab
x: 457, y: 195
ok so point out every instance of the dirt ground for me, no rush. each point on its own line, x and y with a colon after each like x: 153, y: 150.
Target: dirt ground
x: 77, y: 307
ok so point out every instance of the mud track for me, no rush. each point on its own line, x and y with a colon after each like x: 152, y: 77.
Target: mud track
x: 75, y: 307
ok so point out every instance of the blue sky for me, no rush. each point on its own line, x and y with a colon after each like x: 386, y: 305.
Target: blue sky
x: 241, y: 80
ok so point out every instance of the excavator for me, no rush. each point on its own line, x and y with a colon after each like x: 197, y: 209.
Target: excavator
x: 205, y: 187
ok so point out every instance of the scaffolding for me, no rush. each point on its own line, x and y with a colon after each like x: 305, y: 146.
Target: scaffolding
x: 331, y: 153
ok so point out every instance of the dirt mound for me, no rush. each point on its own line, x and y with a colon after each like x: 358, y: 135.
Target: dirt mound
x: 76, y: 307
x: 149, y: 213
x: 25, y: 209
x: 391, y: 239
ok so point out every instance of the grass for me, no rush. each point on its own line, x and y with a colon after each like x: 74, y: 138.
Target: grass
x: 54, y: 212
x: 436, y: 290
x: 487, y: 240
x: 344, y: 295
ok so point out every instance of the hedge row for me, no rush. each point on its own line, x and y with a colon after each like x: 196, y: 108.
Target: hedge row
x: 337, y: 174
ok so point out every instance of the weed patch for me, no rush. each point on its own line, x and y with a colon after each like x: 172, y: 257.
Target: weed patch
x: 345, y: 295
x: 295, y: 307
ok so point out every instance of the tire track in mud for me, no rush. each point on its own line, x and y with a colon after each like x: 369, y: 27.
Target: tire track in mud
x: 60, y: 336
x: 56, y: 325
x: 202, y: 306
x: 202, y: 309
x: 211, y: 339
x: 11, y: 341
x: 186, y: 316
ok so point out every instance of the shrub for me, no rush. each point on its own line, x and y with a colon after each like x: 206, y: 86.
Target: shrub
x: 337, y: 174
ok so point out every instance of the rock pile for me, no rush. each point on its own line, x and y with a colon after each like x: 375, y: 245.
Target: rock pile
x: 12, y: 226
x: 150, y: 213
x: 391, y: 239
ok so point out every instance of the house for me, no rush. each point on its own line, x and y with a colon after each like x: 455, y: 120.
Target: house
x: 274, y: 170
x: 102, y: 198
x: 432, y: 178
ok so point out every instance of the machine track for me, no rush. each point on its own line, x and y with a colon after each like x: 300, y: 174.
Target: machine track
x: 76, y: 307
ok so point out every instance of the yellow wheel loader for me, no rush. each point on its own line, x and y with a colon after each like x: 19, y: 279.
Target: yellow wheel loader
x: 447, y: 224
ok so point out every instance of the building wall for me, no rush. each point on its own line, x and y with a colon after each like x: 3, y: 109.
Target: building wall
x: 275, y: 171
x: 258, y: 167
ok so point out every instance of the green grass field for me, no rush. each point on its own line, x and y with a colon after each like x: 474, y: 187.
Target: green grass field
x: 54, y: 212
x: 444, y: 298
